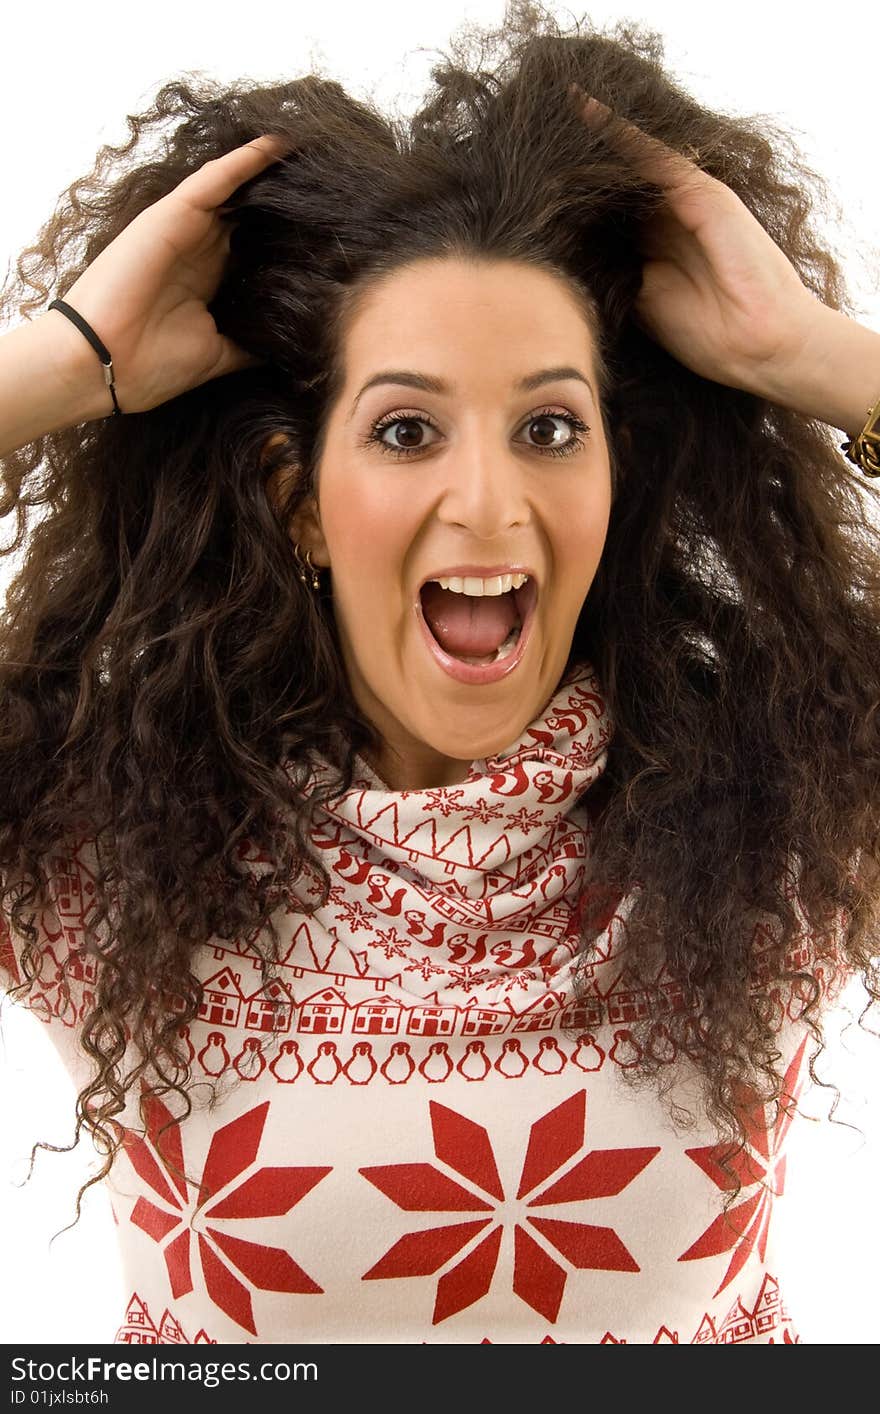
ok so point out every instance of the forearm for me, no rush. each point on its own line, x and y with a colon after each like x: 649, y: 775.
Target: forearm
x: 836, y: 375
x: 50, y: 378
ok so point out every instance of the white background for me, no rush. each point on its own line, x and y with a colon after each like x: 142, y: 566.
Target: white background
x: 70, y: 75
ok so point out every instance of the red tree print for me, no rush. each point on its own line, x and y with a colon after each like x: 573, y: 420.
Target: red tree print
x: 465, y: 1147
x: 178, y: 1220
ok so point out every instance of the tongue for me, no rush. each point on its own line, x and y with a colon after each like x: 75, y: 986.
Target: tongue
x: 465, y: 625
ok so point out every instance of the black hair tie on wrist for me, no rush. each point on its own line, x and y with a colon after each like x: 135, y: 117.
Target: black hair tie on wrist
x: 100, y: 349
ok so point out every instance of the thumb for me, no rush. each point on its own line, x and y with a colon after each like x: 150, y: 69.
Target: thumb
x: 233, y: 359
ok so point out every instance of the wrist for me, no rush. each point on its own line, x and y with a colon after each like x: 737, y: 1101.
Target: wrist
x: 75, y: 371
x: 46, y: 382
x: 835, y: 375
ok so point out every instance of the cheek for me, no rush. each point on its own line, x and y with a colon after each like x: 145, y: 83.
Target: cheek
x: 580, y: 530
x: 362, y: 518
x: 368, y: 540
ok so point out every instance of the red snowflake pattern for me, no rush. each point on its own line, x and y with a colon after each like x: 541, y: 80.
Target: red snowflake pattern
x: 483, y: 810
x: 425, y: 967
x: 389, y: 940
x: 526, y: 820
x: 467, y: 977
x: 355, y: 915
x: 522, y: 981
x: 465, y: 1147
x: 177, y: 1221
x: 442, y: 802
x: 760, y: 1167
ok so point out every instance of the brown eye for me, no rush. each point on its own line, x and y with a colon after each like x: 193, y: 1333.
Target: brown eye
x: 542, y: 428
x: 407, y: 434
x: 407, y: 437
x: 546, y: 430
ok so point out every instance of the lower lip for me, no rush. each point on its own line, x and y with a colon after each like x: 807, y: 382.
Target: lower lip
x: 476, y: 674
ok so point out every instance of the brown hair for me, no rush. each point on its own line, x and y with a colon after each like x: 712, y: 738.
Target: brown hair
x: 160, y: 659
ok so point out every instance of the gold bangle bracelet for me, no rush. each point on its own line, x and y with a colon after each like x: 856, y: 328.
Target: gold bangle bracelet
x: 864, y: 450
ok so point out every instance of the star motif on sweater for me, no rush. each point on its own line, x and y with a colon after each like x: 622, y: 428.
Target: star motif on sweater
x: 184, y: 1216
x: 759, y: 1168
x: 468, y: 1251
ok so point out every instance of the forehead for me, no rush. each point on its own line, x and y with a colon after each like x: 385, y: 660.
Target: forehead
x: 453, y: 309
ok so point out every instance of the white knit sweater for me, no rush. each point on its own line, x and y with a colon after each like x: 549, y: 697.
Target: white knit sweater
x: 426, y: 1137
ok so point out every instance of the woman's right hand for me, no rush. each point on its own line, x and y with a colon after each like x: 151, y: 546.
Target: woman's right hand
x: 146, y: 294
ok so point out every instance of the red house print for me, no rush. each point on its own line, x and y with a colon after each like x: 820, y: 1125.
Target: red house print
x: 552, y: 923
x: 585, y: 1014
x: 768, y: 1313
x: 764, y: 940
x: 706, y: 1334
x: 138, y: 1328
x: 376, y: 1018
x: 432, y: 1020
x: 798, y: 958
x: 768, y: 1310
x: 671, y: 989
x: 72, y: 899
x: 82, y: 966
x: 171, y: 1332
x: 322, y: 1013
x: 738, y: 1327
x: 270, y: 1008
x: 484, y: 1021
x: 542, y: 1015
x: 627, y: 1002
x: 222, y: 999
x: 740, y: 1324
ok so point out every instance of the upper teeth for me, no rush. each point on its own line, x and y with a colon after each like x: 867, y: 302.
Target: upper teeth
x: 498, y: 584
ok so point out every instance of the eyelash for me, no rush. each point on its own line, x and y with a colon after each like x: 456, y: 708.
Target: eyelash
x: 579, y: 429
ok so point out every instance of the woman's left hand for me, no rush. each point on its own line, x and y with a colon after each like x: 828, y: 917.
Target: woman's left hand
x: 717, y: 292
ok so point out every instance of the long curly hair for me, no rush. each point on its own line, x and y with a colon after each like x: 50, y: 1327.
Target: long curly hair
x: 164, y: 673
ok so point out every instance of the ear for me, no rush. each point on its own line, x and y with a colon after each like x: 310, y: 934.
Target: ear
x: 306, y: 532
x: 305, y: 526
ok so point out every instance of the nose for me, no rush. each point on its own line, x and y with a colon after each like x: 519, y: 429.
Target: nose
x: 485, y: 489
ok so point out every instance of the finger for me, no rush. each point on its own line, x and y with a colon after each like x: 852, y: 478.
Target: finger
x: 209, y: 186
x: 651, y: 158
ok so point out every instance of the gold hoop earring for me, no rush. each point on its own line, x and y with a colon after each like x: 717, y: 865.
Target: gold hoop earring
x: 305, y: 569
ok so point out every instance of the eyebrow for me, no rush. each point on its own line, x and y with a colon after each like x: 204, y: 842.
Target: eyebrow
x: 429, y: 384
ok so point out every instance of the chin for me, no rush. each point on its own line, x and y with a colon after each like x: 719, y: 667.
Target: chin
x: 476, y: 745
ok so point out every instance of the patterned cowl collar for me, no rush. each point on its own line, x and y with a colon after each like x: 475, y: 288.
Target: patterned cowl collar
x: 469, y: 886
x: 508, y: 812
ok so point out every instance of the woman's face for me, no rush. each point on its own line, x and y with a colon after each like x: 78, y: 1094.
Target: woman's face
x: 459, y: 481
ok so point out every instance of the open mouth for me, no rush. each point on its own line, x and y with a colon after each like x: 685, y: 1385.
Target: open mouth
x: 478, y: 631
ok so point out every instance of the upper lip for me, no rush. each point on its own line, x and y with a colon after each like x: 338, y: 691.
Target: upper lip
x: 477, y: 572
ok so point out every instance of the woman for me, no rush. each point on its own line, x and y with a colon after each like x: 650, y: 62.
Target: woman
x: 440, y: 734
